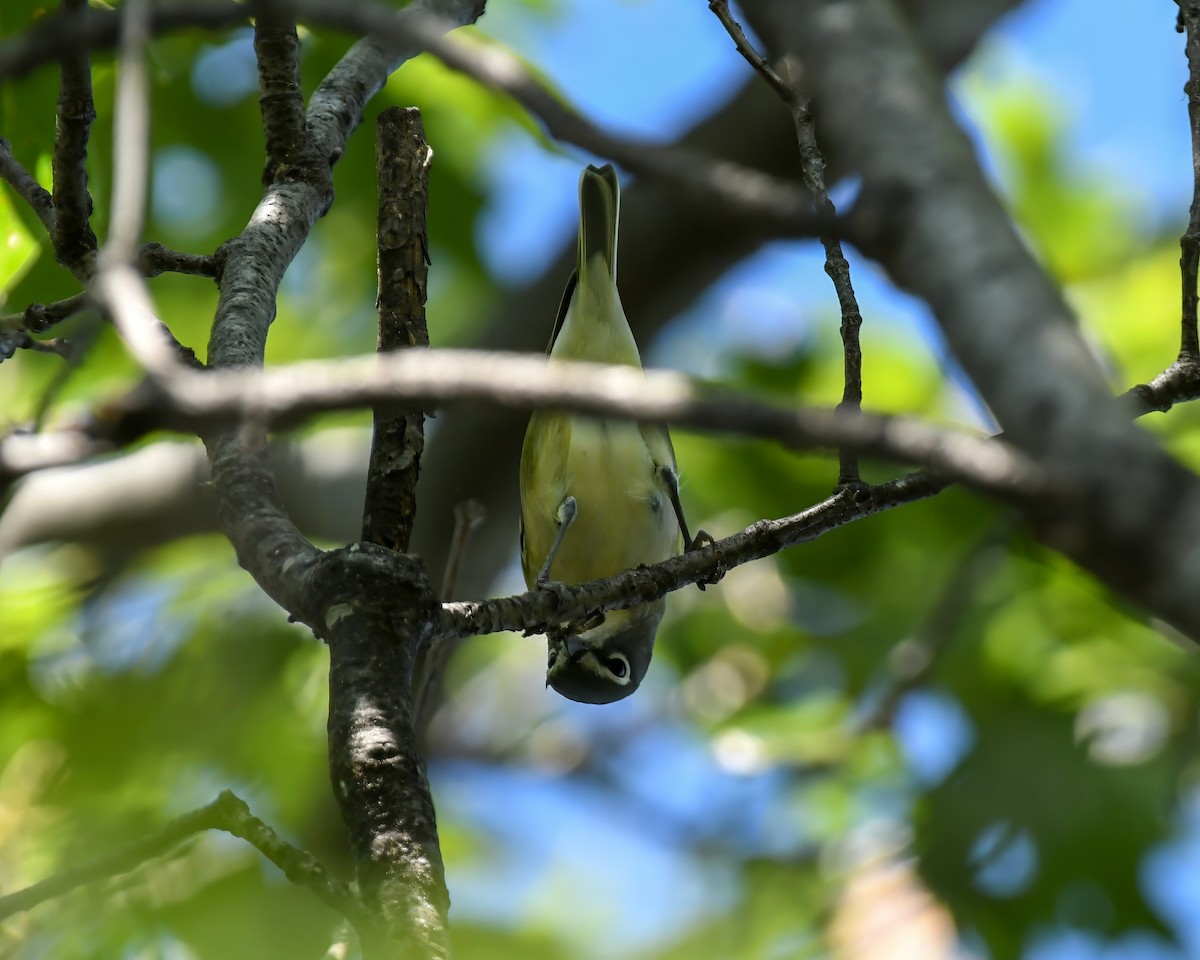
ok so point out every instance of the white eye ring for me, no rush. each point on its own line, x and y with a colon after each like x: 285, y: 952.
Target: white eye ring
x: 617, y: 667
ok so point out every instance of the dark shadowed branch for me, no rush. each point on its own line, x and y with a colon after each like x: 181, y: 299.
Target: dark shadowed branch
x: 402, y: 160
x: 74, y: 241
x: 40, y: 317
x: 280, y: 97
x: 28, y: 189
x: 539, y: 610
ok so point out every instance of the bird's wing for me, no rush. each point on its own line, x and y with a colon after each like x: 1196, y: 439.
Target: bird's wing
x: 658, y: 442
x: 543, y: 485
x: 562, y: 309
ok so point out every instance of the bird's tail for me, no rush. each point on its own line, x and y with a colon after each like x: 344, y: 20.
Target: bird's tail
x: 599, y: 209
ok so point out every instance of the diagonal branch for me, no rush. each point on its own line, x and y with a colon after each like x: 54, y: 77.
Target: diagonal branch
x: 539, y: 610
x: 27, y: 188
x: 228, y: 813
x: 744, y: 192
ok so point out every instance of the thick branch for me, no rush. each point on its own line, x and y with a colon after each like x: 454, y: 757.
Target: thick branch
x: 379, y: 612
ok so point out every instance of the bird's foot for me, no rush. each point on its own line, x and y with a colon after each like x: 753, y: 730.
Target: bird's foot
x: 701, y: 540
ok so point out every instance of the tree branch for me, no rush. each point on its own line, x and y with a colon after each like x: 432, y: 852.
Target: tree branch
x: 279, y: 396
x: 744, y: 192
x: 812, y: 168
x: 927, y: 214
x: 228, y: 813
x: 277, y: 48
x: 1189, y: 345
x: 373, y: 606
x: 28, y: 189
x: 74, y: 241
x: 540, y: 610
x: 402, y: 160
x: 39, y: 317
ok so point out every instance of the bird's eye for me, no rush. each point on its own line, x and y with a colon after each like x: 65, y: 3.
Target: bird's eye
x: 618, y: 666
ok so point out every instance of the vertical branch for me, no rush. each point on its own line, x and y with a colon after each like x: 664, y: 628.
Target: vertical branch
x: 402, y: 160
x: 118, y: 284
x: 74, y: 241
x: 281, y: 99
x: 1189, y: 243
x: 375, y: 762
x: 812, y: 172
x: 381, y: 611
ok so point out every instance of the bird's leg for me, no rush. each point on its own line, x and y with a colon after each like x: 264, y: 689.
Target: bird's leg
x: 703, y: 538
x: 566, y: 516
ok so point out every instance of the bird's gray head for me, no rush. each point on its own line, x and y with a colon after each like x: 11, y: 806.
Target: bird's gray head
x: 607, y: 662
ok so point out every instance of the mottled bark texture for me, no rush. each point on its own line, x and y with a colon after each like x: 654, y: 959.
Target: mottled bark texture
x: 402, y: 160
x: 377, y: 611
x: 74, y: 241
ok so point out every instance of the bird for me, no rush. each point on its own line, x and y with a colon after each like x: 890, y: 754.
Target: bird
x: 598, y: 496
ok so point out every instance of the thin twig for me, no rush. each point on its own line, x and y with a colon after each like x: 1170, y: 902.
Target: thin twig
x: 227, y: 813
x: 28, y: 189
x: 155, y: 259
x: 431, y: 668
x: 812, y: 169
x: 1189, y: 346
x: 13, y: 340
x: 74, y: 241
x: 402, y: 159
x: 131, y: 138
x: 538, y: 610
x: 39, y: 317
x: 77, y: 350
x: 467, y: 516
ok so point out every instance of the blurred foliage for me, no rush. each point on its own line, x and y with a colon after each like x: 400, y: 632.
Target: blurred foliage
x: 743, y: 807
